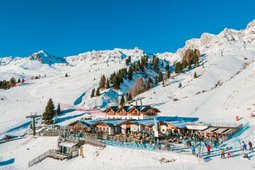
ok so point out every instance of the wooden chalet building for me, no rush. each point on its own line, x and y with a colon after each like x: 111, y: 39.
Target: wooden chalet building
x: 79, y: 125
x: 131, y: 112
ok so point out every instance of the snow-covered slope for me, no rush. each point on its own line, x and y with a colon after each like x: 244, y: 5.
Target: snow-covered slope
x: 228, y: 58
x: 223, y: 89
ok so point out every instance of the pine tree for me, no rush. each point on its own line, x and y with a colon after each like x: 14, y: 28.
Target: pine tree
x: 98, y: 92
x: 178, y: 67
x: 129, y: 97
x: 107, y: 86
x: 168, y: 73
x: 160, y: 77
x: 184, y: 64
x: 148, y: 84
x: 195, y: 75
x: 66, y: 75
x: 58, y: 109
x: 116, y: 82
x: 130, y: 73
x: 122, y: 101
x: 156, y: 80
x: 92, y: 93
x: 18, y: 81
x: 167, y: 67
x: 12, y: 82
x: 180, y: 85
x: 49, y: 112
x: 102, y: 82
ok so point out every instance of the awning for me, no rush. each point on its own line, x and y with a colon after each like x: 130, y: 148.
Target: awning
x: 197, y: 127
x: 178, y: 124
x: 210, y: 130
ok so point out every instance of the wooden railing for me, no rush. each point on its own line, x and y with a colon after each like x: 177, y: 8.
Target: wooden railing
x: 40, y: 157
x: 86, y: 139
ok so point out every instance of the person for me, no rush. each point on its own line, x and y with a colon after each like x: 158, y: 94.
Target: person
x: 208, y: 147
x: 250, y: 146
x: 229, y: 155
x: 244, y: 146
x: 193, y: 149
x: 222, y: 153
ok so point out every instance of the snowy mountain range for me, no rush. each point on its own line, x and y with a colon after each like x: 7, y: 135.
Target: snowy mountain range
x: 225, y: 77
x: 223, y: 89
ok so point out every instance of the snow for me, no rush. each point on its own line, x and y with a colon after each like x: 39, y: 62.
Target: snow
x: 223, y: 90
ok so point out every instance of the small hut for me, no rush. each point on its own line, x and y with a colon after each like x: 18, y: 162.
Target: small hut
x: 68, y: 148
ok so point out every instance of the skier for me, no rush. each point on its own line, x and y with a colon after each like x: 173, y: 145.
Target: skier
x: 250, y: 146
x: 193, y: 149
x: 208, y: 147
x: 222, y: 153
x: 229, y: 155
x: 244, y: 146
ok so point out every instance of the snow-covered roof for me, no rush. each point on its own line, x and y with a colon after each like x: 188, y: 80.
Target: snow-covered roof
x: 145, y: 122
x: 68, y: 144
x: 176, y: 118
x: 91, y: 122
x: 114, y: 122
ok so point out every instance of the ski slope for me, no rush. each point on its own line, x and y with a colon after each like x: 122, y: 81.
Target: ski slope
x: 223, y: 90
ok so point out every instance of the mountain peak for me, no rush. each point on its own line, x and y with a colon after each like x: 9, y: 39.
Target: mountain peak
x: 251, y: 25
x: 46, y: 58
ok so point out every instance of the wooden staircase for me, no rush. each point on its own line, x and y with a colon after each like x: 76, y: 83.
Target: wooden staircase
x: 41, y: 157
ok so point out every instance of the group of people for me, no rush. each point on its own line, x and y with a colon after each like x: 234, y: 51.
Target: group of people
x: 244, y: 148
x: 222, y: 153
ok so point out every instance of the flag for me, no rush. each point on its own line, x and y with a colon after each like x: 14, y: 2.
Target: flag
x: 155, y: 123
x: 155, y: 127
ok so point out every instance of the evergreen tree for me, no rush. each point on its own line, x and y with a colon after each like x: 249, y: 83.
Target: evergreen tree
x: 148, y: 84
x: 66, y: 75
x: 130, y: 73
x: 12, y: 82
x: 168, y: 73
x: 184, y: 64
x: 167, y: 67
x: 127, y: 62
x: 49, y: 112
x: 122, y: 101
x: 156, y: 80
x: 180, y: 85
x: 92, y: 93
x: 98, y: 92
x: 194, y: 60
x: 129, y: 97
x: 160, y: 77
x: 195, y: 75
x: 102, y: 82
x: 18, y: 81
x: 58, y: 109
x: 107, y: 86
x: 178, y: 67
x: 116, y: 82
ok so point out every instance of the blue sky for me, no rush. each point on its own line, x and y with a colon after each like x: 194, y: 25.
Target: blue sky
x: 69, y: 27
